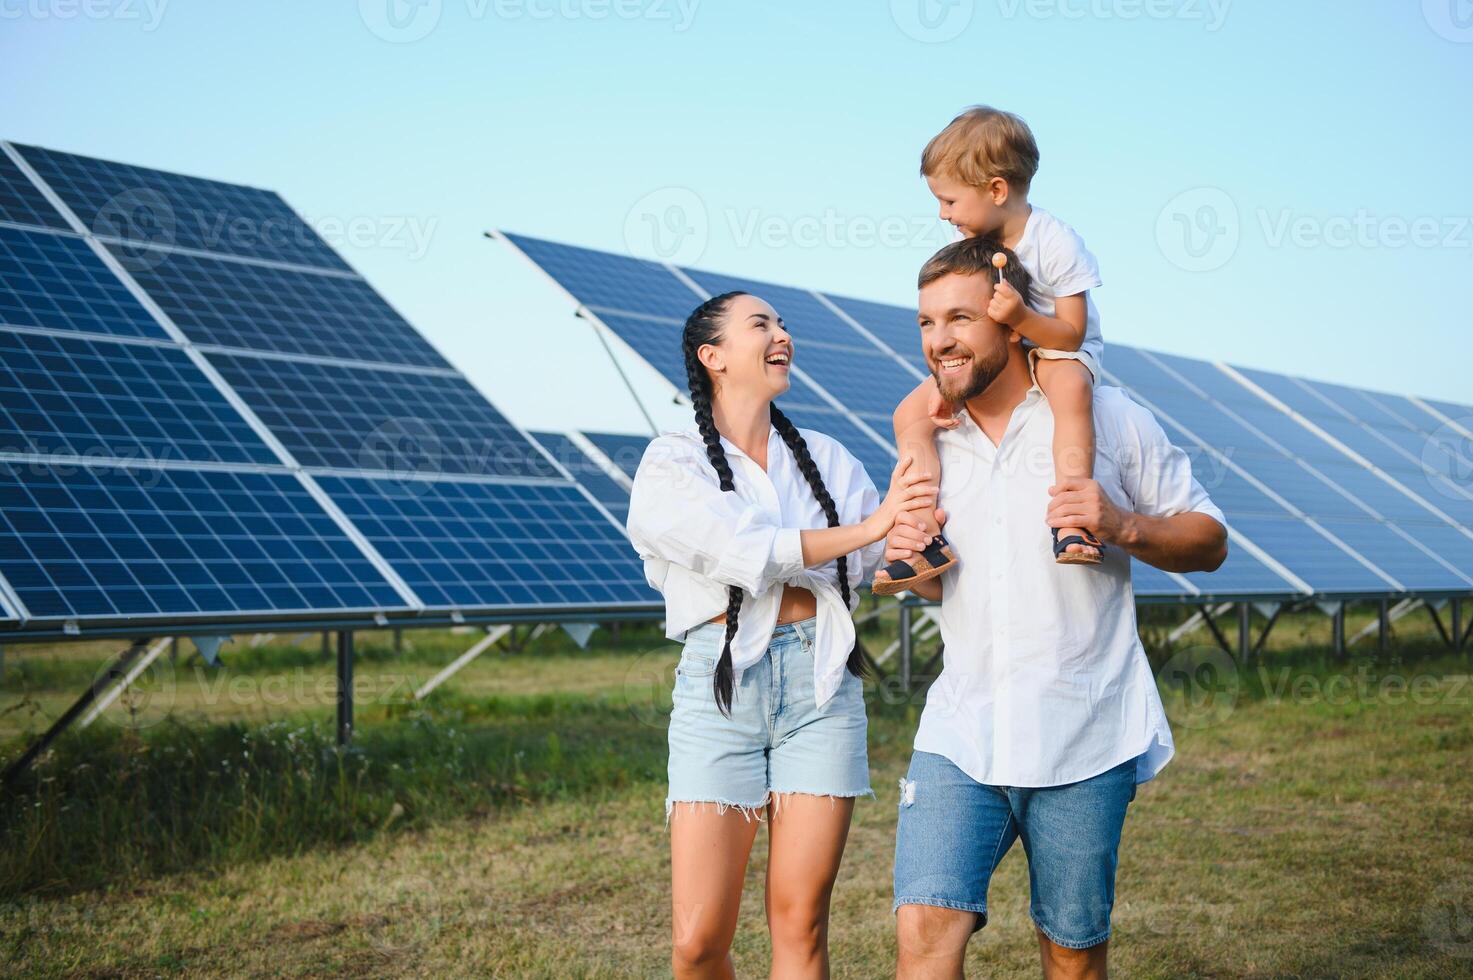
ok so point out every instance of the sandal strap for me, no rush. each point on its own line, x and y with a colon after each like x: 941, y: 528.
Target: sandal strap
x: 1088, y: 540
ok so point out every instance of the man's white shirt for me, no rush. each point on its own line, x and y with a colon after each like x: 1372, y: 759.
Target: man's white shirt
x: 1045, y: 681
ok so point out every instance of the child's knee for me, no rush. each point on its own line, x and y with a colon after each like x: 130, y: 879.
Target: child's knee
x: 1064, y: 380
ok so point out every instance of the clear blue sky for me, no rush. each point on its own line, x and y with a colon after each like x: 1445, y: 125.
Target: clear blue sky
x: 1317, y: 154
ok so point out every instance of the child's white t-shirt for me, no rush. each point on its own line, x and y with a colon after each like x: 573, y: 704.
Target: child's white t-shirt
x: 1060, y: 265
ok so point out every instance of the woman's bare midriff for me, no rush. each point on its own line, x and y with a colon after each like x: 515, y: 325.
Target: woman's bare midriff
x: 797, y: 604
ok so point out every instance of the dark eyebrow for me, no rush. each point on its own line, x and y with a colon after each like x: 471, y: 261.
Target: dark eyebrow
x: 764, y: 316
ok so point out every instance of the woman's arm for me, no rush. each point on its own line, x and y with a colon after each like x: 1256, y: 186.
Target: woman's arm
x: 910, y: 489
x: 679, y: 513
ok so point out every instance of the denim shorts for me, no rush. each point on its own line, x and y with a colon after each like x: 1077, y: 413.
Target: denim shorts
x: 954, y: 831
x: 776, y: 740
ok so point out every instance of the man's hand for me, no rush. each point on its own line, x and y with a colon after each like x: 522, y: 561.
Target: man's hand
x: 1006, y: 306
x: 1084, y: 504
x: 942, y: 412
x: 907, y: 538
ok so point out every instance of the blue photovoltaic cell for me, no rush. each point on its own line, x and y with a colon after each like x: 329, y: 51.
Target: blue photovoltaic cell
x: 115, y: 200
x: 84, y: 397
x: 623, y: 451
x: 358, y: 418
x: 471, y: 545
x: 1242, y: 573
x: 1148, y: 581
x: 236, y: 304
x: 1454, y: 547
x: 588, y: 473
x: 1309, y: 555
x: 1403, y: 561
x: 878, y: 462
x: 657, y: 341
x: 612, y: 282
x: 22, y: 201
x: 92, y: 542
x: 895, y: 326
x: 1460, y: 414
x: 869, y: 384
x: 57, y: 281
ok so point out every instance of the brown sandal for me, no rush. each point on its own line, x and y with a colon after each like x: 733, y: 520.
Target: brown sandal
x: 899, y: 576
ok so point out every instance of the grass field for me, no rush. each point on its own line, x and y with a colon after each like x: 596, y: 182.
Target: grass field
x: 1316, y: 822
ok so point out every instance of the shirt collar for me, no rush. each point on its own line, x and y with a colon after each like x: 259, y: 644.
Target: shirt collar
x: 693, y: 431
x: 1019, y: 417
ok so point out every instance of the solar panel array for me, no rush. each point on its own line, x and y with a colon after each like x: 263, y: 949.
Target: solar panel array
x: 1328, y: 490
x: 206, y: 416
x: 606, y: 489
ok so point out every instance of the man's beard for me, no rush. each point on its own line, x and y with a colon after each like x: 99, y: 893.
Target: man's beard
x: 982, y: 374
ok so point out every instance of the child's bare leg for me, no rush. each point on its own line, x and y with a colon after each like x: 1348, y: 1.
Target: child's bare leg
x: 919, y: 442
x: 915, y: 436
x: 1067, y: 386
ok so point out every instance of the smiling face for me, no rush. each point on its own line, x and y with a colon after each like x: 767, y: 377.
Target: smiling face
x: 964, y: 348
x: 754, y: 352
x: 974, y: 211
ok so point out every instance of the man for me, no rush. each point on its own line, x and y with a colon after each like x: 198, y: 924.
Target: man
x: 1046, y: 713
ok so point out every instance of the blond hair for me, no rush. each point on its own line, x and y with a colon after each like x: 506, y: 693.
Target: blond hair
x: 980, y: 144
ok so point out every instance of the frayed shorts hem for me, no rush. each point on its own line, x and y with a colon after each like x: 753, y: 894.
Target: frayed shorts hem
x: 755, y: 810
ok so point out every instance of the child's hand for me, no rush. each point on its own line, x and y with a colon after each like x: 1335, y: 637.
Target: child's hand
x: 1006, y: 306
x: 941, y: 411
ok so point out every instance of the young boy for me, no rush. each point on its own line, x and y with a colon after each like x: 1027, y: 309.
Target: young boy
x: 979, y: 168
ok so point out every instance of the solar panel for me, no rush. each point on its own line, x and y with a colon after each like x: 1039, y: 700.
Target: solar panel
x: 81, y: 396
x: 110, y: 542
x: 494, y: 545
x: 237, y: 304
x: 22, y: 202
x: 58, y: 282
x: 605, y: 489
x: 138, y: 205
x: 218, y: 527
x: 611, y: 282
x: 624, y: 451
x: 359, y: 418
x: 1361, y: 512
x: 894, y: 326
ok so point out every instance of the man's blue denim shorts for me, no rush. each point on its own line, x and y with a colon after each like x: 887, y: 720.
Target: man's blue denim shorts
x: 776, y: 741
x: 954, y: 831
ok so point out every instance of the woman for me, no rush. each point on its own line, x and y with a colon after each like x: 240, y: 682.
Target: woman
x: 758, y: 536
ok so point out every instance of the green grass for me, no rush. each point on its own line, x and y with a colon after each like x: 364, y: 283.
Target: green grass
x: 1316, y: 822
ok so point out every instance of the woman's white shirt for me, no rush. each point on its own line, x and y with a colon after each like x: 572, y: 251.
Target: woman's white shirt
x: 696, y: 539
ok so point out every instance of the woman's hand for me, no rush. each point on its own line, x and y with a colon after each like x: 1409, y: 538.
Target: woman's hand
x: 910, y: 489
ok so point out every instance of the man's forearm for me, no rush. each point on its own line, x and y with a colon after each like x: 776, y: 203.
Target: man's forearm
x: 1189, y: 542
